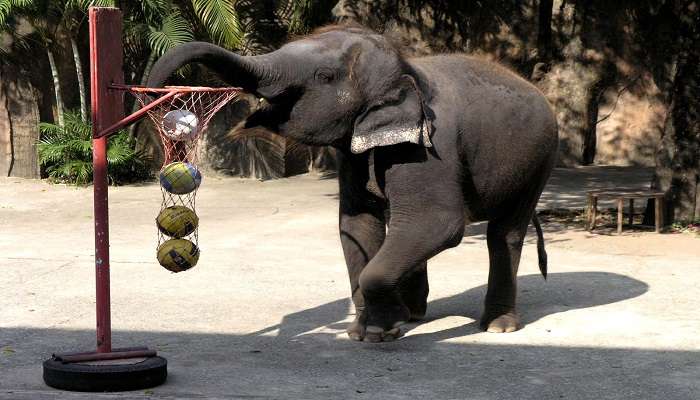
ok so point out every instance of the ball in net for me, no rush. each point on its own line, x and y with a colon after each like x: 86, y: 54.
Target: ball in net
x: 180, y: 125
x: 178, y: 255
x: 177, y: 221
x: 180, y: 177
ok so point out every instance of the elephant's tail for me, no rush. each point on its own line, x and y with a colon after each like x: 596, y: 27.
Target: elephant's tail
x: 541, y: 252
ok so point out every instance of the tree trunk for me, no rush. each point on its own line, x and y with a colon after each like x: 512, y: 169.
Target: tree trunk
x: 678, y: 157
x: 544, y: 31
x: 81, y: 82
x: 56, y: 86
x: 19, y: 125
x: 607, y: 74
x: 7, y: 156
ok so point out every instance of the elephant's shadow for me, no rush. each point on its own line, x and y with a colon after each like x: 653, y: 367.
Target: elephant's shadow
x: 537, y: 298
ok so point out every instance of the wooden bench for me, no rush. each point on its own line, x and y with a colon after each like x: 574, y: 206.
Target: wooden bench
x: 621, y: 195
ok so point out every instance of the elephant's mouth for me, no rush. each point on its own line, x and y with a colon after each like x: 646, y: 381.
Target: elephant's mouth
x: 272, y: 113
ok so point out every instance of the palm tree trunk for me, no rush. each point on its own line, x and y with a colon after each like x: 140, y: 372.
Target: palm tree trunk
x: 81, y: 82
x: 56, y: 86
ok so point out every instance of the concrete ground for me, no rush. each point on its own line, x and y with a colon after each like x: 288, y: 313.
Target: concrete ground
x: 263, y: 314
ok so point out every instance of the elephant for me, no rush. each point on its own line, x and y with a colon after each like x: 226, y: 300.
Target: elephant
x: 425, y: 145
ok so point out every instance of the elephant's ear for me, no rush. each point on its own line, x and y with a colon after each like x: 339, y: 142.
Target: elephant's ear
x: 399, y: 117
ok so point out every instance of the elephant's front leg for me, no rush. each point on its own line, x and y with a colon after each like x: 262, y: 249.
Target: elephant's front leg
x: 410, y: 241
x: 414, y: 291
x: 362, y: 227
x: 361, y: 235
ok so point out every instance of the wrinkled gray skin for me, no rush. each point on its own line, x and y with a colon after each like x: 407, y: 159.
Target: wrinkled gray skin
x: 425, y: 145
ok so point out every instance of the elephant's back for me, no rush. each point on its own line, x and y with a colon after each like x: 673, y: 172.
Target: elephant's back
x: 480, y: 90
x: 473, y: 71
x: 504, y: 127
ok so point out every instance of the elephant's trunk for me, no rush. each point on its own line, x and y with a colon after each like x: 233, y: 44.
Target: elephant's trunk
x: 250, y: 73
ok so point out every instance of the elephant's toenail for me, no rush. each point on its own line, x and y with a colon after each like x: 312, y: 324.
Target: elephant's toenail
x: 374, y: 330
x: 355, y: 336
x: 373, y: 338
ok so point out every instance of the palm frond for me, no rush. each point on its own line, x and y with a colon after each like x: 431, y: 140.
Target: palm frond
x: 75, y: 171
x: 119, y: 151
x: 50, y: 150
x: 79, y: 147
x: 76, y: 128
x: 220, y: 19
x: 9, y: 7
x: 85, y: 4
x: 5, y: 9
x: 154, y: 10
x: 66, y: 153
x: 174, y: 30
x: 50, y: 129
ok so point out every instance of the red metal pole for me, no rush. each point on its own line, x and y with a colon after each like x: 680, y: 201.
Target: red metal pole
x: 107, y: 108
x: 99, y: 176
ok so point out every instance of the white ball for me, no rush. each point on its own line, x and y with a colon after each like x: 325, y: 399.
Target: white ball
x: 180, y: 125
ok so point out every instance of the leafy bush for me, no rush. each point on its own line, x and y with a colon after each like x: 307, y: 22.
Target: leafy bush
x: 65, y: 152
x: 687, y: 226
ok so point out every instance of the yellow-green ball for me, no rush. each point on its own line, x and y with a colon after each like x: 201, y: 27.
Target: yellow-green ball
x: 178, y: 255
x: 180, y: 177
x: 177, y: 221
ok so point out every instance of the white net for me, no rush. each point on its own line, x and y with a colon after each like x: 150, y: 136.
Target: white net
x: 180, y: 115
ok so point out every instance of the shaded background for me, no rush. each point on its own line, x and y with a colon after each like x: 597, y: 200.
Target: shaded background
x: 621, y: 76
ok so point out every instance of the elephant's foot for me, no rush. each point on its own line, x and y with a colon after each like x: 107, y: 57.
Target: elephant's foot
x: 356, y: 329
x: 498, y: 319
x: 375, y: 334
x: 378, y: 329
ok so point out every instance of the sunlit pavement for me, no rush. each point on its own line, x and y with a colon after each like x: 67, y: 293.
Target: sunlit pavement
x: 263, y: 314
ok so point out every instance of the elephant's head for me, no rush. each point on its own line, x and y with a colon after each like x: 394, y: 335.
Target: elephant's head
x: 341, y: 86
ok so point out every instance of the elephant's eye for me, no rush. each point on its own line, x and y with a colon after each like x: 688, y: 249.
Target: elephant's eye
x: 324, y: 75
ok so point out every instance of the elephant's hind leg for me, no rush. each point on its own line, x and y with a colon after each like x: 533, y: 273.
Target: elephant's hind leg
x: 505, y: 242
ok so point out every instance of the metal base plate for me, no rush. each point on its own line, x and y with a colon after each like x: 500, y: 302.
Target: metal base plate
x: 103, y: 376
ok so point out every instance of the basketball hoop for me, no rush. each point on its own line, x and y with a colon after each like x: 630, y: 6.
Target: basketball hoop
x: 135, y: 367
x: 203, y: 102
x: 198, y: 103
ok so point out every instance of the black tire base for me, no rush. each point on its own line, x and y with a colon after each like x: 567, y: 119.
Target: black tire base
x: 106, y: 378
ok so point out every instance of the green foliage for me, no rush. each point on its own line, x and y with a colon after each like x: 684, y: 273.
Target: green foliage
x: 174, y: 30
x: 66, y: 153
x: 8, y: 7
x: 16, y: 42
x: 44, y: 17
x: 73, y: 12
x: 305, y: 15
x: 155, y: 26
x: 692, y: 227
x: 220, y: 19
